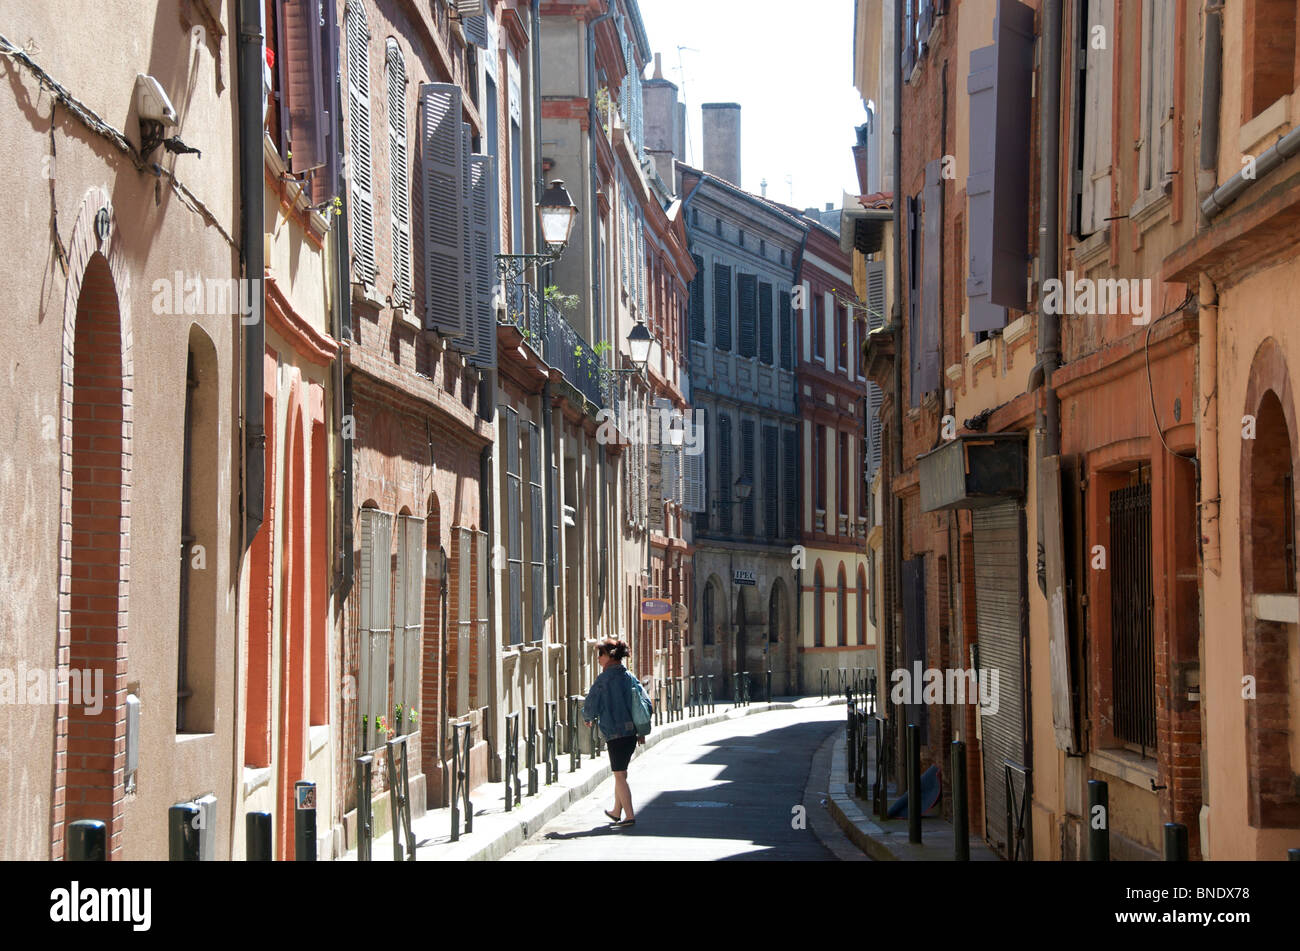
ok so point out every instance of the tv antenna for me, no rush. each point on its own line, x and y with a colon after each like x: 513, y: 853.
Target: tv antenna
x: 681, y: 84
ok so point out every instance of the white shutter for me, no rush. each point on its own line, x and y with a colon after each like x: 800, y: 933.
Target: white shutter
x: 484, y: 319
x: 361, y: 209
x: 376, y: 583
x: 443, y: 214
x: 399, y: 174
x: 1155, y: 149
x: 470, y: 8
x: 1098, y: 79
x: 470, y: 287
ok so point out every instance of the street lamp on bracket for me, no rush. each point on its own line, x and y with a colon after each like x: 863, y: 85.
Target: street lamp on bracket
x: 556, y: 215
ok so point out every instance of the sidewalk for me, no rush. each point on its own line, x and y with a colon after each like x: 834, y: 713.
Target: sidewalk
x: 886, y: 840
x: 497, y: 832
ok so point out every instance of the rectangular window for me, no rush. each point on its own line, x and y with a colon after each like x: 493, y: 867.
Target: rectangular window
x: 1132, y: 636
x: 537, y: 533
x: 843, y: 487
x: 517, y: 214
x: 842, y: 326
x: 785, y: 332
x: 819, y: 463
x: 1093, y: 150
x: 726, y: 491
x: 1268, y: 63
x: 819, y: 328
x: 514, y: 526
x: 790, y: 483
x: 1156, y: 107
x: 765, y: 323
x: 375, y: 628
x: 747, y: 507
x: 408, y: 622
x: 771, y: 482
x: 747, y: 292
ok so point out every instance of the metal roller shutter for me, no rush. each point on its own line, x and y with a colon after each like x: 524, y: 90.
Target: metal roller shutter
x: 999, y: 612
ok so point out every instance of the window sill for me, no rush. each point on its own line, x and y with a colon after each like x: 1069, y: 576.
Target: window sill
x: 980, y: 352
x: 1089, y: 252
x: 365, y: 293
x: 1258, y: 133
x: 1151, y: 207
x: 255, y: 777
x: 318, y: 737
x: 1125, y: 765
x: 1017, y: 329
x: 408, y: 317
x: 1283, y: 608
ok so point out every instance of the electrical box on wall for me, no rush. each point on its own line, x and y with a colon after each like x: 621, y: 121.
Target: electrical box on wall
x: 132, y: 739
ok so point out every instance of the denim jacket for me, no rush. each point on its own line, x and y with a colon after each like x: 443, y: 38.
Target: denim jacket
x: 609, y: 702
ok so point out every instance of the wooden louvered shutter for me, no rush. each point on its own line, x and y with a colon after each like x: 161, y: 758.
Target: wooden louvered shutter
x: 790, y: 488
x: 483, y: 319
x: 786, y: 332
x: 361, y: 208
x: 875, y: 396
x: 722, y: 307
x: 694, y: 497
x: 399, y: 174
x: 747, y: 507
x: 875, y: 294
x: 726, y: 490
x: 442, y: 161
x: 326, y: 183
x: 466, y: 340
x: 302, y: 96
x: 1098, y: 77
x: 537, y: 534
x: 747, y: 291
x: 932, y: 237
x: 765, y: 323
x: 697, y: 300
x: 514, y: 526
x: 771, y: 482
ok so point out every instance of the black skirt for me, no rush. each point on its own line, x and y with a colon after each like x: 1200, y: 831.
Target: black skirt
x: 620, y: 752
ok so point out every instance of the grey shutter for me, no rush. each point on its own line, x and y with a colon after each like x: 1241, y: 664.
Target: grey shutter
x: 932, y: 269
x: 771, y: 482
x: 326, y: 184
x: 482, y: 185
x: 476, y: 30
x: 747, y: 468
x: 694, y: 495
x: 790, y: 487
x: 399, y: 173
x: 722, y: 307
x: 914, y: 369
x: 1097, y: 80
x: 909, y: 37
x: 442, y: 161
x: 765, y: 323
x: 537, y: 539
x: 875, y: 294
x: 747, y: 293
x: 361, y: 208
x: 786, y: 332
x: 302, y: 97
x: 514, y: 526
x: 697, y: 300
x: 997, y: 189
x: 702, y: 515
x: 999, y: 596
x: 726, y: 491
x: 875, y: 396
x: 914, y: 634
x: 466, y: 340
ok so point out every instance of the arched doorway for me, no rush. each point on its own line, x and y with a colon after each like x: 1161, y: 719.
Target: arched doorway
x: 90, y: 781
x: 291, y: 756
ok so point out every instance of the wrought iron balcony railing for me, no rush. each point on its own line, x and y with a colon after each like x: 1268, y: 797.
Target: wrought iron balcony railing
x: 560, y: 345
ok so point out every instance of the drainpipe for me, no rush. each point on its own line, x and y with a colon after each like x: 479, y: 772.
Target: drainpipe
x: 342, y: 292
x: 252, y: 240
x: 1208, y: 385
x: 1049, y: 245
x: 486, y: 521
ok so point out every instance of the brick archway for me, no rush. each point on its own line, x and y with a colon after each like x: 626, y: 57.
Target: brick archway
x: 89, y: 775
x: 1268, y: 464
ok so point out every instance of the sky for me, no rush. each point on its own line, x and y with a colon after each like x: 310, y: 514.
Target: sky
x: 790, y: 66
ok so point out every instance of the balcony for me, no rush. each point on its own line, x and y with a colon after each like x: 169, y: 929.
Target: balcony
x: 549, y: 333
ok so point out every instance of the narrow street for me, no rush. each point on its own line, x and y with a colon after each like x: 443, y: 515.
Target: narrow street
x: 725, y: 791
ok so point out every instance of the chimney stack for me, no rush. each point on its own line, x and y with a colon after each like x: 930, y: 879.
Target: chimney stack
x: 722, y: 140
x: 662, y: 134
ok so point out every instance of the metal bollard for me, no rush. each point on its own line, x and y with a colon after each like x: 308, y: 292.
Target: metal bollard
x: 257, y: 837
x: 530, y: 748
x: 304, y: 821
x: 709, y: 697
x: 510, y: 766
x: 575, y: 753
x: 365, y: 824
x: 769, y: 686
x: 851, y: 740
x: 1098, y: 821
x: 960, y: 817
x: 87, y: 840
x: 183, y: 832
x: 913, y: 783
x: 464, y: 779
x: 1175, y: 842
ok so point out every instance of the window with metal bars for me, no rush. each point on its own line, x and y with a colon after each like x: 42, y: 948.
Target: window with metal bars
x: 1131, y: 609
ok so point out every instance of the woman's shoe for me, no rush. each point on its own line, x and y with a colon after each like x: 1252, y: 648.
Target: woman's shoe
x: 624, y: 823
x: 612, y: 818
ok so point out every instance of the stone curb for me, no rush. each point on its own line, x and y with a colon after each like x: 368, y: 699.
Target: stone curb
x: 848, y: 815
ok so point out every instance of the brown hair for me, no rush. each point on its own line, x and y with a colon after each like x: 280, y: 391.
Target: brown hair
x: 615, y: 648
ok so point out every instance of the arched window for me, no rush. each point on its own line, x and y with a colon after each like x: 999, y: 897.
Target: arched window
x: 708, y: 615
x: 819, y: 607
x: 400, y: 200
x: 862, y: 605
x: 841, y: 597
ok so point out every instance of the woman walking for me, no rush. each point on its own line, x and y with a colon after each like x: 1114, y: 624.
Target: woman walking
x: 609, y: 703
